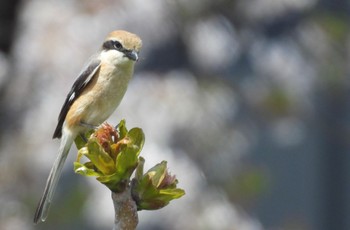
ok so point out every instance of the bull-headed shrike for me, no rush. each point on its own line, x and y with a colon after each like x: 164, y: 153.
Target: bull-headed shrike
x: 94, y: 96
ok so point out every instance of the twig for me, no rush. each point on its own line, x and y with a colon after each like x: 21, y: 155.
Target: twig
x: 126, y: 217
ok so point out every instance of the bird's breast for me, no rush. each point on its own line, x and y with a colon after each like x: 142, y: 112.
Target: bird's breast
x: 105, y: 94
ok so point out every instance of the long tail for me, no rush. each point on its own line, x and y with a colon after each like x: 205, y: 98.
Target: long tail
x: 55, y: 173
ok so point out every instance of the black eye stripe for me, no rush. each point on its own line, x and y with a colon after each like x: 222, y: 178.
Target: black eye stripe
x: 111, y: 44
x: 107, y: 45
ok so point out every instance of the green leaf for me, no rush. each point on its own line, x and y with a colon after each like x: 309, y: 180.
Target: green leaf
x: 114, y: 182
x: 127, y: 159
x: 156, y: 188
x: 122, y: 129
x: 154, y: 199
x: 81, y: 152
x: 80, y: 142
x: 139, y: 169
x: 157, y: 173
x: 172, y: 193
x: 137, y: 138
x: 99, y: 157
x: 84, y: 170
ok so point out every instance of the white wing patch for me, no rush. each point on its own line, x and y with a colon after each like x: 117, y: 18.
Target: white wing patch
x: 88, y: 79
x: 71, y: 98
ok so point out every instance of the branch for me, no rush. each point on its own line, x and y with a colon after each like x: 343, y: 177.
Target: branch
x: 125, y: 208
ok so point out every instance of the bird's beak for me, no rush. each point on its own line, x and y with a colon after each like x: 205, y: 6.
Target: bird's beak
x: 132, y: 55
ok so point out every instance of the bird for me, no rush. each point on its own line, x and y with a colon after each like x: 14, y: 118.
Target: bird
x: 94, y: 96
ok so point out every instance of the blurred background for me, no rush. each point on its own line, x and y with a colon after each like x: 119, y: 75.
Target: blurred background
x: 248, y: 101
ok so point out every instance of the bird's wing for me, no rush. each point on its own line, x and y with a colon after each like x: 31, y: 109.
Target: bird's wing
x: 85, y: 77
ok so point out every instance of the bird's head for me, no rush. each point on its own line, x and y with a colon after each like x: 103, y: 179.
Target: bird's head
x: 122, y: 47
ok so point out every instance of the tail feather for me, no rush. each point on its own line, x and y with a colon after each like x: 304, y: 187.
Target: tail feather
x: 55, y: 173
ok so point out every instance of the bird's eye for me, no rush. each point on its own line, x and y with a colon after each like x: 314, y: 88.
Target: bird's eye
x: 117, y: 45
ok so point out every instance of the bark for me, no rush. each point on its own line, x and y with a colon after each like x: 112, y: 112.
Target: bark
x: 126, y: 217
